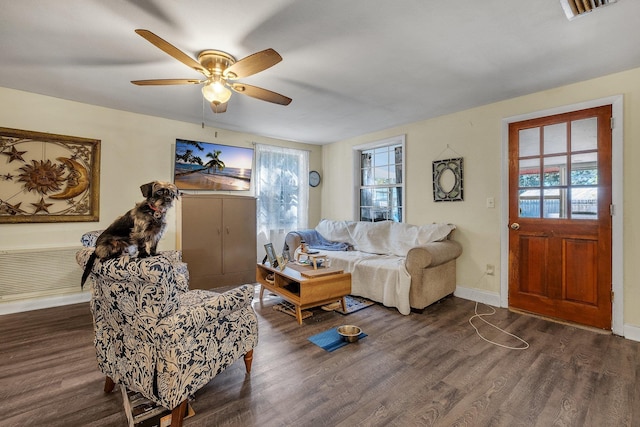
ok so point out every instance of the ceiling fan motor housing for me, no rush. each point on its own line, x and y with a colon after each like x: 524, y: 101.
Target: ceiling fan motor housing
x: 216, y: 61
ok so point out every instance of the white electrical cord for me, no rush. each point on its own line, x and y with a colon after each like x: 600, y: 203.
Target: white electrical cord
x: 481, y: 317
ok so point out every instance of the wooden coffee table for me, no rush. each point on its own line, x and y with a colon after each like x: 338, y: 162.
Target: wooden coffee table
x: 305, y: 287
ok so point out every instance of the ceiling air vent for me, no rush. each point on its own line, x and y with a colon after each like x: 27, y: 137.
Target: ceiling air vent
x: 575, y: 8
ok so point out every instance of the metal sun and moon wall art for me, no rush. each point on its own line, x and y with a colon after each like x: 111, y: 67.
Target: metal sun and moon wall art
x: 447, y: 180
x: 48, y: 178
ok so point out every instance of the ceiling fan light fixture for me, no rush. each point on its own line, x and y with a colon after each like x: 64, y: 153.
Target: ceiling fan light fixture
x: 216, y: 92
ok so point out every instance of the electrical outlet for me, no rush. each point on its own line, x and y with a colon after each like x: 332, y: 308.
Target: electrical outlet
x: 490, y: 270
x: 491, y: 202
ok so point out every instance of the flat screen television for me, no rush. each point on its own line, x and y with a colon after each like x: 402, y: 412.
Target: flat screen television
x: 206, y: 166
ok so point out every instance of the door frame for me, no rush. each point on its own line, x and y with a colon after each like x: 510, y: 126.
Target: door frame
x: 617, y: 261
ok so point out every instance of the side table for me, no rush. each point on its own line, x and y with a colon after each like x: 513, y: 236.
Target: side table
x: 320, y: 286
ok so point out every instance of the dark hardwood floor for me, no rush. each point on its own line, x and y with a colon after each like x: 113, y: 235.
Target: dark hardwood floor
x: 428, y: 369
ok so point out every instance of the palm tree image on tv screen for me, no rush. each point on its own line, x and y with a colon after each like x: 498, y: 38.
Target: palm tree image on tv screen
x: 208, y: 166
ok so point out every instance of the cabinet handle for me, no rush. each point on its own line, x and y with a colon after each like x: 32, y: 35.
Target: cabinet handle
x: 227, y: 230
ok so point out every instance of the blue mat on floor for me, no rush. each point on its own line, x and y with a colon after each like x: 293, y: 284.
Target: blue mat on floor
x: 331, y: 340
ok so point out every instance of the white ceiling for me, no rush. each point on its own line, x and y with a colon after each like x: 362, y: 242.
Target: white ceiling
x: 351, y: 66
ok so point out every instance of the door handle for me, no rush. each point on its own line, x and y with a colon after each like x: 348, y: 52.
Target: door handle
x: 515, y: 226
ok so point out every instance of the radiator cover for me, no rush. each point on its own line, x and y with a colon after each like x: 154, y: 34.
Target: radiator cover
x: 35, y: 273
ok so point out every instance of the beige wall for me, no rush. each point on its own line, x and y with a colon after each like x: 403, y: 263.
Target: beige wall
x: 476, y: 135
x: 135, y: 149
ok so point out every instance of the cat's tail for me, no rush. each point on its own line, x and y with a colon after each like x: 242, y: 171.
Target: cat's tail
x: 87, y: 269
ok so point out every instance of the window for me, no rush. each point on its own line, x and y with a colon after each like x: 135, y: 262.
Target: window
x: 282, y: 189
x: 380, y: 180
x: 559, y: 170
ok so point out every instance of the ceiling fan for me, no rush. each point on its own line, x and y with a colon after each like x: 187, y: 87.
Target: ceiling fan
x: 220, y: 69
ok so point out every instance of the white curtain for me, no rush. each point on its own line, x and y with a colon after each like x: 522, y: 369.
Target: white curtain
x: 282, y: 189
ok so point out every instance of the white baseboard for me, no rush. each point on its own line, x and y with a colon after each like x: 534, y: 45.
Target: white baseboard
x: 491, y: 298
x: 45, y: 302
x: 632, y: 332
x: 485, y: 297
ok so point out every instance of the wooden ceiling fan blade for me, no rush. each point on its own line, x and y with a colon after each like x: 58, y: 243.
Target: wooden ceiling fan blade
x: 260, y: 93
x: 219, y: 108
x: 252, y: 64
x: 165, y: 82
x: 171, y: 50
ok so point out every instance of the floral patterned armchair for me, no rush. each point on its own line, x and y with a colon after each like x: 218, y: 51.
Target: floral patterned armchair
x: 155, y: 336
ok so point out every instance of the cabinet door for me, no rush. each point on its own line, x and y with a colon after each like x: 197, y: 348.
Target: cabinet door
x: 239, y: 235
x: 202, y: 238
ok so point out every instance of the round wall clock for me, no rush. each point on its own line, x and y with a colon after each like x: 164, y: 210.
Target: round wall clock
x: 314, y: 178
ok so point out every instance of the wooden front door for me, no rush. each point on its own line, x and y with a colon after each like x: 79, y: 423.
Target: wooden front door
x: 560, y: 216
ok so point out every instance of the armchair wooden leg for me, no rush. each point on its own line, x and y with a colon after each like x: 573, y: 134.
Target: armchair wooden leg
x: 178, y: 413
x: 248, y: 359
x: 108, y: 385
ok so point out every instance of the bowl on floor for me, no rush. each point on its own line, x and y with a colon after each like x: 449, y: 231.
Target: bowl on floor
x: 349, y: 333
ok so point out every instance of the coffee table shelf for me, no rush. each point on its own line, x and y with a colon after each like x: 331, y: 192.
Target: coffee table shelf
x: 304, y: 292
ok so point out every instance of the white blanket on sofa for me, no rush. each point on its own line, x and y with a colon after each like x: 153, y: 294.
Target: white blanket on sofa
x: 387, y: 237
x: 388, y: 273
x: 377, y: 264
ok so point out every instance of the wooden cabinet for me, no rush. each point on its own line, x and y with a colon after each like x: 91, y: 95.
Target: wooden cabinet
x: 219, y: 239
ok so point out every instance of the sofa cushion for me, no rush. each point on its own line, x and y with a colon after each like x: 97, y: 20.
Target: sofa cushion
x: 336, y: 231
x: 386, y: 237
x: 371, y: 237
x: 403, y: 237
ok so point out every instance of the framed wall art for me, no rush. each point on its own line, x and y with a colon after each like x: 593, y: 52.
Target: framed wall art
x: 48, y: 178
x: 447, y: 180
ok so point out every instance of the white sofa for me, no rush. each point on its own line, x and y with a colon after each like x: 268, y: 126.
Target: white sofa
x: 399, y: 265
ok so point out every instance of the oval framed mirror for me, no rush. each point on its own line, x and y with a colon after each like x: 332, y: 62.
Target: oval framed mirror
x: 447, y: 180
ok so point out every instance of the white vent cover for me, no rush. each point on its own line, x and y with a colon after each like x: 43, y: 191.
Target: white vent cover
x: 575, y: 8
x: 37, y: 273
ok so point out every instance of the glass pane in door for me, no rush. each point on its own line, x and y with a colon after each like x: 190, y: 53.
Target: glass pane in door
x: 584, y: 203
x: 555, y: 203
x: 584, y: 134
x: 555, y: 171
x: 555, y: 138
x: 529, y: 203
x: 584, y: 169
x: 584, y: 179
x: 529, y: 142
x: 529, y: 173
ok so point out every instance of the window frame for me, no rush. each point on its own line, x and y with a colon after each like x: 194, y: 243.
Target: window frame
x: 357, y: 184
